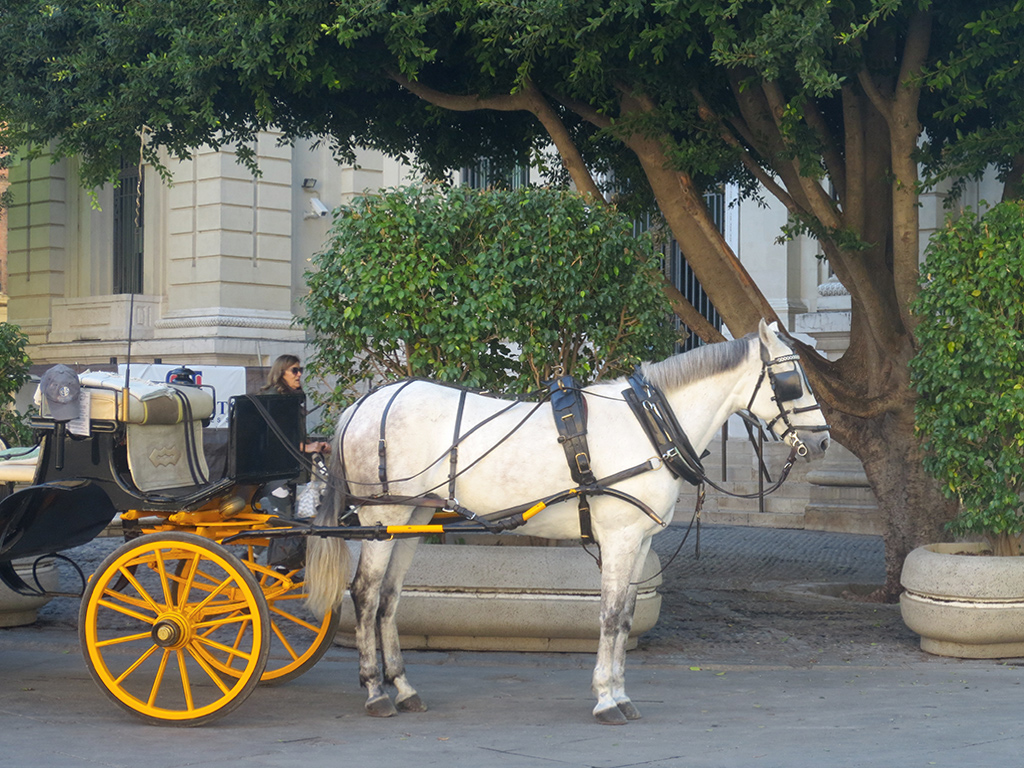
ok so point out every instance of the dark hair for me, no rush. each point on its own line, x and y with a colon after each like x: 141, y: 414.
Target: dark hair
x: 275, y: 379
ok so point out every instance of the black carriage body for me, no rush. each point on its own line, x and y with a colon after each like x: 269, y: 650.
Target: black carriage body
x: 82, y: 483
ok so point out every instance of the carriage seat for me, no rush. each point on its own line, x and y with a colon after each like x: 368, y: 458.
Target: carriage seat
x: 149, y: 402
x: 163, y: 427
x: 18, y: 465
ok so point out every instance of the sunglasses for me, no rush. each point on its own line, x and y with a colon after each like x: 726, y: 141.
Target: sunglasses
x: 297, y: 370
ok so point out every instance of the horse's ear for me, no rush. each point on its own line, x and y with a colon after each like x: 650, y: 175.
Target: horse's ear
x: 765, y: 331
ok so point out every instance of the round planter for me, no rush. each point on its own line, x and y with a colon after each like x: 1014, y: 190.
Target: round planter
x: 964, y: 602
x: 506, y: 598
x: 17, y: 610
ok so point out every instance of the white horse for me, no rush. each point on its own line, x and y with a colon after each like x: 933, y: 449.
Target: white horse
x: 515, y: 457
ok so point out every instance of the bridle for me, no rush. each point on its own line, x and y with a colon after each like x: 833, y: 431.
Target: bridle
x: 787, y: 387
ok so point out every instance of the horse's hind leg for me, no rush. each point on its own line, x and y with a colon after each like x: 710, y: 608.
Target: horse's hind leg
x: 406, y: 698
x: 366, y: 590
x: 375, y: 592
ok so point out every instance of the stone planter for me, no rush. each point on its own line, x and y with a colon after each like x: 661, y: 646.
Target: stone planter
x: 17, y: 610
x: 964, y: 603
x: 506, y: 598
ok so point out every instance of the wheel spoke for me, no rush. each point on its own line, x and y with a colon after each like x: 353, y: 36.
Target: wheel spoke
x: 138, y: 663
x: 284, y: 641
x: 123, y: 610
x: 186, y: 686
x: 231, y: 652
x: 125, y: 639
x: 201, y: 608
x: 143, y: 593
x: 165, y: 583
x: 211, y: 673
x: 236, y: 618
x: 295, y: 619
x: 158, y: 679
x: 186, y: 586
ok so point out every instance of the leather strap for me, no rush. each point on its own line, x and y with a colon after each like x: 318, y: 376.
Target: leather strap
x: 569, y: 408
x: 663, y: 430
x: 453, y: 455
x: 382, y: 444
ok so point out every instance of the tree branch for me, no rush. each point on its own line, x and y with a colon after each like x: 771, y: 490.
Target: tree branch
x: 831, y: 155
x: 708, y: 115
x: 818, y: 201
x: 906, y: 130
x: 529, y: 99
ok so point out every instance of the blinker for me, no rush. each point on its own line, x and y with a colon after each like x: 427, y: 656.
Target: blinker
x: 788, y: 386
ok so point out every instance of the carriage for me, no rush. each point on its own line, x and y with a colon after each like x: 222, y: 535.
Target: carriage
x: 175, y: 627
x: 177, y: 624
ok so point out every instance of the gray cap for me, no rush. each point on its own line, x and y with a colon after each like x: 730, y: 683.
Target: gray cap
x: 60, y: 386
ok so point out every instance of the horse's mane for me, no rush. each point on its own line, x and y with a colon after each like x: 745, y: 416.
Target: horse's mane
x: 699, y: 363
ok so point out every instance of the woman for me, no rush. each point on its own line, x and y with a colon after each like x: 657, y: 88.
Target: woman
x: 285, y: 378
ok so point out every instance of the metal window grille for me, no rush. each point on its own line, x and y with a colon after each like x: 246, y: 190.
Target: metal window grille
x: 681, y: 274
x: 129, y: 197
x: 481, y: 176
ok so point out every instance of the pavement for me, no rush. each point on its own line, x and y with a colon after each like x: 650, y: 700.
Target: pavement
x: 766, y: 675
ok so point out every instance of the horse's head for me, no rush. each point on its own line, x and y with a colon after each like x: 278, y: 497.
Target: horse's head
x: 783, y: 397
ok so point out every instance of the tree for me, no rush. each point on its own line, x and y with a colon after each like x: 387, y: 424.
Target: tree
x: 494, y: 289
x: 822, y: 105
x: 14, y: 365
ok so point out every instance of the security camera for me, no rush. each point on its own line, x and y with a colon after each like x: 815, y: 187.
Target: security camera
x: 319, y: 209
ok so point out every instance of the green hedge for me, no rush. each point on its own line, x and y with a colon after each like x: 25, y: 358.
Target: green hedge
x: 969, y: 370
x: 493, y: 289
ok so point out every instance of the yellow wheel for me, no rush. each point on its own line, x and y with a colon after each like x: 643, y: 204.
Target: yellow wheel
x: 153, y: 614
x: 297, y: 638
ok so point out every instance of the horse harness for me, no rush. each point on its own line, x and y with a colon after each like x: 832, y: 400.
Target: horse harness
x: 569, y: 410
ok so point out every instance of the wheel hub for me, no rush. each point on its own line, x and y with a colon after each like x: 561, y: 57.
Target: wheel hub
x: 170, y: 632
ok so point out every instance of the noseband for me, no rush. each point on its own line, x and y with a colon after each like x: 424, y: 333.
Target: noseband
x: 788, y: 387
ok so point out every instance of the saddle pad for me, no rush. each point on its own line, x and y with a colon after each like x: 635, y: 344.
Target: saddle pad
x: 159, y: 457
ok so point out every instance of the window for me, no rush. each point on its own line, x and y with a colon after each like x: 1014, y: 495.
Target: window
x: 679, y: 273
x: 481, y: 176
x: 128, y: 218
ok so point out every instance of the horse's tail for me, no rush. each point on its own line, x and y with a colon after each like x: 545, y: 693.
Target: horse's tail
x: 327, y: 557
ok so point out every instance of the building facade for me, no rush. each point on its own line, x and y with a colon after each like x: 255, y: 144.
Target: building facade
x: 207, y: 269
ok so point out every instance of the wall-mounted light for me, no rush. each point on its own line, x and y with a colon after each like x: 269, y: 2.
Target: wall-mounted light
x: 309, y: 184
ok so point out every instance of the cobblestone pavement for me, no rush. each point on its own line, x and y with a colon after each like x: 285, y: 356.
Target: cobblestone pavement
x: 775, y: 596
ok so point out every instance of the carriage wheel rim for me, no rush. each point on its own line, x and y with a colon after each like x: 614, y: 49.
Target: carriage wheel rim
x: 171, y: 629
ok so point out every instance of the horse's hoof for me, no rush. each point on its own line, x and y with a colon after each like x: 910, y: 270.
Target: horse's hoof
x: 412, y: 704
x: 380, y: 707
x: 610, y: 716
x: 629, y: 711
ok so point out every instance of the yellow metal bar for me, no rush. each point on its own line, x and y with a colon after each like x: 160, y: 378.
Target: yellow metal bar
x: 425, y: 530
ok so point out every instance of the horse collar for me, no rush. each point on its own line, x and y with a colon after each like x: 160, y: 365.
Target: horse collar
x: 662, y: 428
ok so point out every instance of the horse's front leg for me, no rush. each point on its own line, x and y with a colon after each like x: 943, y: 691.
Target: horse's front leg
x: 621, y: 569
x: 366, y: 588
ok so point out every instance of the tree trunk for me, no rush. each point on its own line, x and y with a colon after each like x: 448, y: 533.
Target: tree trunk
x: 913, y: 510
